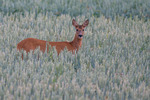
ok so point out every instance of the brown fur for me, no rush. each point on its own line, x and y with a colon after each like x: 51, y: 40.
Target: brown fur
x: 32, y: 43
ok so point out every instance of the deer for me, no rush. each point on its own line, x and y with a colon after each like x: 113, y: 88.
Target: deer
x: 29, y: 44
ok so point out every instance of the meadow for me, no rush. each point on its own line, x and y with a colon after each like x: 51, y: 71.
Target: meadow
x: 112, y: 64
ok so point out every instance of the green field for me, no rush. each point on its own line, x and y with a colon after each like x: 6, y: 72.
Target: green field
x: 113, y: 62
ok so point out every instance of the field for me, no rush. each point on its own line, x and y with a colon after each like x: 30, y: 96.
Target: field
x: 113, y: 62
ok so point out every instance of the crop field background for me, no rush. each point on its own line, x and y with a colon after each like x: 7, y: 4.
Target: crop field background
x: 112, y: 64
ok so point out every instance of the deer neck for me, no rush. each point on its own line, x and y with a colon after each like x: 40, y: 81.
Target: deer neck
x: 76, y: 43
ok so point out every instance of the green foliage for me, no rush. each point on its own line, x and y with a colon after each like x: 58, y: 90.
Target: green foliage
x: 113, y: 62
x: 108, y: 8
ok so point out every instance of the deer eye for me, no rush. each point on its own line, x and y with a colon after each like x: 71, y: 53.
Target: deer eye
x: 83, y: 30
x: 76, y: 29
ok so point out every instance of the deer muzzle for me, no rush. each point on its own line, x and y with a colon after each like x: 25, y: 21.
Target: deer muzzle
x: 80, y: 34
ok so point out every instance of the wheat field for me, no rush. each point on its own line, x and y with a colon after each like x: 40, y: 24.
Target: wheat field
x: 112, y: 64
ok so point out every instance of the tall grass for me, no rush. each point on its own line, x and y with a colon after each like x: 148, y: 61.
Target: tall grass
x: 113, y: 62
x: 108, y: 8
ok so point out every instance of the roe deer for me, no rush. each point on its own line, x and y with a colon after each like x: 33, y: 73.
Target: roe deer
x: 32, y: 43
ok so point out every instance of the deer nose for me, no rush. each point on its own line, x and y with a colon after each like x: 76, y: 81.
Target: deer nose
x: 80, y: 36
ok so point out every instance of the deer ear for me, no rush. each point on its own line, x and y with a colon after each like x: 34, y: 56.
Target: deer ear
x: 74, y: 23
x: 85, y: 23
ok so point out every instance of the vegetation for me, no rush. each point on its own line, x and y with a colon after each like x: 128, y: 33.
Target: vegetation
x: 113, y: 62
x: 108, y: 8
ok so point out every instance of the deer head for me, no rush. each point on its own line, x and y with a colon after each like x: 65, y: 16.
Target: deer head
x: 80, y: 28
